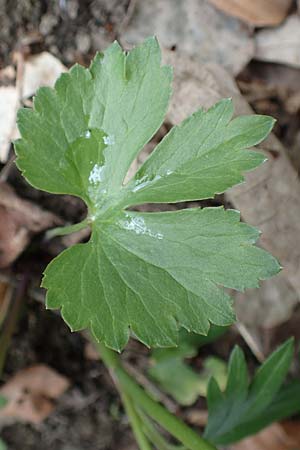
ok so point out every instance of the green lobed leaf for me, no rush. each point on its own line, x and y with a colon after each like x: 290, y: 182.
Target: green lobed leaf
x: 153, y: 271
x: 245, y: 409
x: 145, y: 273
x: 203, y: 156
x: 108, y: 112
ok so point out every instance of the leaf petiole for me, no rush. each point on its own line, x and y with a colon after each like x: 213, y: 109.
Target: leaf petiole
x: 62, y: 231
x: 155, y: 437
x: 153, y: 409
x: 136, y: 422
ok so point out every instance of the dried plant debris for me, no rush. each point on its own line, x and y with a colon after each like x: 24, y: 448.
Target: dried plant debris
x: 30, y: 394
x: 8, y: 110
x: 19, y: 220
x: 36, y: 71
x: 281, y: 44
x: 274, y: 437
x: 40, y: 70
x: 256, y: 12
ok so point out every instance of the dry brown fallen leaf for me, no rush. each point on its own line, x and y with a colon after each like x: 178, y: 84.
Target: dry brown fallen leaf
x: 272, y: 438
x: 281, y: 44
x: 90, y: 352
x: 256, y: 12
x: 19, y: 219
x: 30, y: 394
x: 8, y: 109
x: 40, y: 70
x: 292, y: 429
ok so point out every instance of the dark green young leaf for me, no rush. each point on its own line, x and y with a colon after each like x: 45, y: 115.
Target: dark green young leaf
x: 245, y: 409
x: 238, y: 380
x: 285, y: 403
x: 144, y: 272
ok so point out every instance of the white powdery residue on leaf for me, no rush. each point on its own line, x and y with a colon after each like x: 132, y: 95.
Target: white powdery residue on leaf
x: 137, y: 224
x: 143, y: 182
x: 96, y: 174
x: 108, y: 140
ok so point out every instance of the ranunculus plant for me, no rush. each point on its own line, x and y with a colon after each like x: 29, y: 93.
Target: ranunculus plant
x: 146, y: 274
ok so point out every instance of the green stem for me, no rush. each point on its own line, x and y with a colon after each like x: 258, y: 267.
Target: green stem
x: 135, y: 422
x: 162, y: 416
x: 62, y: 231
x: 155, y: 437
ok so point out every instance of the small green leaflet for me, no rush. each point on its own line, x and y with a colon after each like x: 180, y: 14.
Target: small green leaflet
x: 148, y: 273
x: 244, y: 408
x: 188, y: 383
x: 203, y: 156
